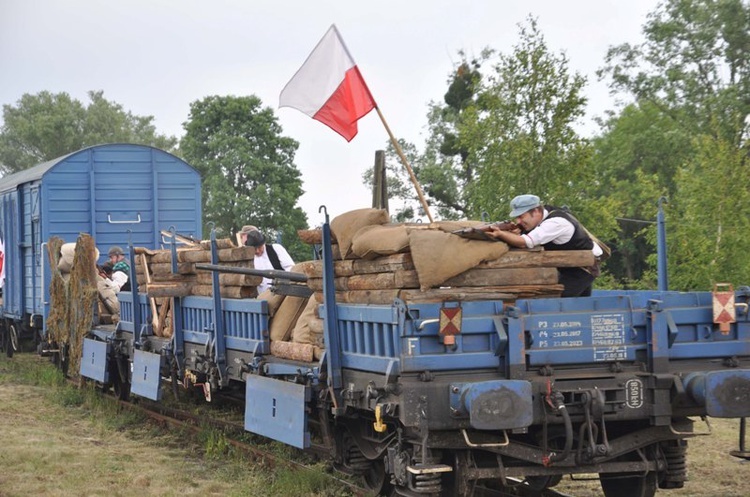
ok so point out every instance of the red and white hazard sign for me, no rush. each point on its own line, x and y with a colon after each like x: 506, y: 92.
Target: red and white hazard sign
x: 723, y: 303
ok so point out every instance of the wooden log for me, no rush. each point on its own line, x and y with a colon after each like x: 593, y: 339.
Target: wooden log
x: 502, y: 277
x: 185, y: 278
x: 293, y: 351
x: 158, y: 268
x: 227, y: 279
x: 221, y: 243
x: 151, y: 300
x: 395, y: 262
x: 169, y: 289
x: 504, y: 293
x: 168, y: 278
x: 362, y: 296
x: 166, y: 255
x: 229, y: 292
x: 314, y: 236
x: 468, y: 294
x: 187, y: 240
x: 204, y: 256
x: 144, y: 250
x: 166, y: 303
x: 541, y: 258
x: 376, y: 281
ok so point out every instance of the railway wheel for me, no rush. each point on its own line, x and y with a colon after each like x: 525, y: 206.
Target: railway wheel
x: 62, y: 358
x: 541, y: 483
x: 377, y: 481
x: 11, y: 338
x: 118, y: 370
x: 121, y: 388
x: 628, y: 484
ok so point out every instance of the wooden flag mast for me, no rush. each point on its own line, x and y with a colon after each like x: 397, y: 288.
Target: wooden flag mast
x: 400, y: 153
x: 390, y: 133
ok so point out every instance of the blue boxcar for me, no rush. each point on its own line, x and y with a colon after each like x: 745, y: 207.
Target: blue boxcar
x: 117, y: 193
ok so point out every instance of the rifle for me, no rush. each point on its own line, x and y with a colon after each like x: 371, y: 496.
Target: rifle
x: 480, y: 232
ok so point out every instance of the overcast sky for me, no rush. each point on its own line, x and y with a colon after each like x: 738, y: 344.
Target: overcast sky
x: 155, y: 57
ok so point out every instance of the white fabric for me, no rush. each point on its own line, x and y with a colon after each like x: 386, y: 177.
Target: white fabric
x: 320, y: 75
x: 119, y: 278
x: 557, y: 230
x: 109, y: 284
x: 263, y: 262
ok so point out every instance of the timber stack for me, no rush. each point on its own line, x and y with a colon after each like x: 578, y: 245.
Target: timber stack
x: 153, y: 270
x: 377, y: 262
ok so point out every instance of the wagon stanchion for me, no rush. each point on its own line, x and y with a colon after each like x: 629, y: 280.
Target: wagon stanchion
x: 742, y: 452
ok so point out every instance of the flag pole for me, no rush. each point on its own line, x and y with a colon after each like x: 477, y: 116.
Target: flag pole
x: 406, y: 164
x: 390, y: 134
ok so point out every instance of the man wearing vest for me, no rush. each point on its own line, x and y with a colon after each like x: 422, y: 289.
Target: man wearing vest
x: 268, y: 256
x: 553, y: 229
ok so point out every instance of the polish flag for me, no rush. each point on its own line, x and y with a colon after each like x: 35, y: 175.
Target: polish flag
x: 329, y: 88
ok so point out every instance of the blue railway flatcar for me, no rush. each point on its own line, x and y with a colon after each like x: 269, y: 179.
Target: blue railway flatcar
x: 430, y: 399
x: 120, y: 194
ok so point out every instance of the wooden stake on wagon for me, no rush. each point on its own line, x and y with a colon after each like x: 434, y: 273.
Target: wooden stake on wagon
x: 152, y: 300
x: 406, y: 164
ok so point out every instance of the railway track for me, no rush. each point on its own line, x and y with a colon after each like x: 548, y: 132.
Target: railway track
x: 180, y: 419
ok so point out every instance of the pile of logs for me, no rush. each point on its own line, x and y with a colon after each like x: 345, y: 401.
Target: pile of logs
x: 516, y: 274
x: 153, y: 270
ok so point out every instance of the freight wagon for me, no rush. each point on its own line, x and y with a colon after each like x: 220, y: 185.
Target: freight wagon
x: 118, y: 193
x: 432, y: 398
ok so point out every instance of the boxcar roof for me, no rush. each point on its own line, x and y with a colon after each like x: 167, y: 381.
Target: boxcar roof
x: 36, y: 172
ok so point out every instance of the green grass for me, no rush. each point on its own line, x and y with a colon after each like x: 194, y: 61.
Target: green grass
x: 72, y: 437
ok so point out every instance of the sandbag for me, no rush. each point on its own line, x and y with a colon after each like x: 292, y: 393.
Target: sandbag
x: 303, y: 332
x: 67, y: 251
x: 274, y: 301
x: 345, y: 225
x: 286, y: 317
x: 108, y: 295
x: 439, y: 256
x: 371, y: 242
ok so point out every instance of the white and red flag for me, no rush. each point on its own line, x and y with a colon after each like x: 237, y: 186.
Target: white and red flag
x: 329, y: 87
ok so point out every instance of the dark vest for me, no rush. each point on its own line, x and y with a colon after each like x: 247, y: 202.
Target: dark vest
x: 580, y: 239
x: 273, y: 257
x: 577, y: 281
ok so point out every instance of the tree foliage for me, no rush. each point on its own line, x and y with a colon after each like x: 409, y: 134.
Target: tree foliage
x: 685, y: 136
x: 505, y: 126
x: 520, y: 134
x: 636, y: 159
x: 45, y: 126
x: 247, y: 166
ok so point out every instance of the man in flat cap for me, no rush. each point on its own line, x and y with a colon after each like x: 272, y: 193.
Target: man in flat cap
x: 242, y: 234
x: 120, y: 268
x: 554, y: 229
x: 267, y: 256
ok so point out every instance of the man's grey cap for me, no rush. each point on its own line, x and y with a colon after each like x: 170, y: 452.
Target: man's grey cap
x: 523, y: 203
x: 115, y: 250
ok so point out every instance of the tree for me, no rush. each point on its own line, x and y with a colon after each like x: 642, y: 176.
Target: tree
x: 689, y: 81
x: 520, y: 133
x: 247, y: 166
x: 636, y: 160
x: 694, y: 65
x: 713, y: 204
x: 506, y: 127
x: 46, y: 126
